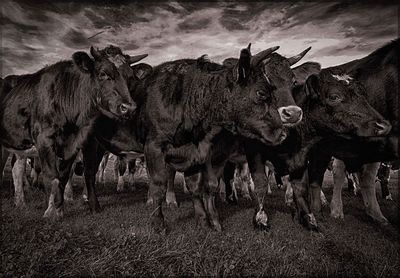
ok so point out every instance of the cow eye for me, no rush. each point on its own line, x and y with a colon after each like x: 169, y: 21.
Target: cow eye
x: 334, y: 98
x: 104, y: 76
x: 261, y: 94
x: 294, y: 83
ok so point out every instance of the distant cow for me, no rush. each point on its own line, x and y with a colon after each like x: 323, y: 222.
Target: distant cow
x: 52, y: 111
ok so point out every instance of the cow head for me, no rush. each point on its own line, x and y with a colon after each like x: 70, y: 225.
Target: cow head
x: 112, y: 97
x: 266, y: 103
x: 133, y: 74
x: 337, y: 105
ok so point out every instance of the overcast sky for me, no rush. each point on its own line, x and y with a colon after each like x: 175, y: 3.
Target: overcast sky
x: 34, y: 35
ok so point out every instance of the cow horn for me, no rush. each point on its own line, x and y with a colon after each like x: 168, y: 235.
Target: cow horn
x: 293, y: 60
x: 95, y: 53
x: 256, y: 59
x: 136, y: 58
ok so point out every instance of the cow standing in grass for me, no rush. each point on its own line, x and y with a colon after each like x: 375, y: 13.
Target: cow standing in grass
x: 51, y: 112
x: 378, y: 74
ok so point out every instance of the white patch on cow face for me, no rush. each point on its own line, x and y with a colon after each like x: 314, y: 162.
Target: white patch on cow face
x: 345, y: 77
x: 117, y: 60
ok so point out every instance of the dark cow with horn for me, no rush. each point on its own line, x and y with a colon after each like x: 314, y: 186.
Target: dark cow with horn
x: 378, y: 73
x: 51, y: 112
x: 180, y: 103
x: 324, y: 117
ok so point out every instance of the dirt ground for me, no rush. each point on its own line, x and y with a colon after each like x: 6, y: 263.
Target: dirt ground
x: 119, y: 240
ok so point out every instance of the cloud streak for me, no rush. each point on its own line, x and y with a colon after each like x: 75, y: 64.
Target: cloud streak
x: 34, y: 35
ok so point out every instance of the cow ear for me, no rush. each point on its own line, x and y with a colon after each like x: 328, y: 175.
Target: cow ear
x: 142, y: 70
x: 83, y: 61
x: 312, y: 87
x: 243, y: 67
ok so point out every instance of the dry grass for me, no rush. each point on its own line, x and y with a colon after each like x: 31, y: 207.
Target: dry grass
x: 119, y: 241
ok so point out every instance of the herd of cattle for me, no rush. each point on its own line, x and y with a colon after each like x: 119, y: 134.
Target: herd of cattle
x: 205, y: 120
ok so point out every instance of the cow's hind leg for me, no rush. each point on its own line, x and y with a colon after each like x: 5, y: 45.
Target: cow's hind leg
x: 367, y: 183
x: 158, y: 175
x: 131, y: 173
x: 210, y: 183
x: 195, y: 187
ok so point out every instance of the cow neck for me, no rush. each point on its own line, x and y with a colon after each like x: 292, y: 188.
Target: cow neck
x: 208, y: 100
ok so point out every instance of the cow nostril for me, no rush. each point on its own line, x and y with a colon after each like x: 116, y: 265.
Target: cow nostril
x: 382, y: 128
x: 286, y: 113
x: 124, y: 108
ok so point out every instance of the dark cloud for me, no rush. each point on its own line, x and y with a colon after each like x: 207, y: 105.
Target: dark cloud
x: 41, y: 32
x: 75, y: 39
x: 191, y: 24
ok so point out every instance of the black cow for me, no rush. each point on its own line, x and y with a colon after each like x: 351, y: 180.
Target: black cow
x: 324, y: 116
x: 184, y: 101
x: 378, y: 74
x: 52, y: 111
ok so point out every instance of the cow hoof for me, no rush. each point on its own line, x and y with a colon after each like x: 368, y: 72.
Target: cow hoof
x: 150, y: 201
x: 389, y: 197
x: 54, y: 213
x: 171, y: 199
x: 159, y: 226
x: 20, y: 204
x: 309, y: 221
x: 216, y: 226
x: 337, y: 214
x: 380, y: 219
x: 247, y: 197
x: 85, y: 198
x: 260, y: 219
x: 279, y: 186
x: 269, y: 192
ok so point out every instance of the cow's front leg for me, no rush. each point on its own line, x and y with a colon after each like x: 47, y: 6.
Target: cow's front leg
x: 55, y: 173
x: 157, y: 170
x: 257, y: 171
x: 195, y: 188
x: 367, y: 184
x: 92, y: 156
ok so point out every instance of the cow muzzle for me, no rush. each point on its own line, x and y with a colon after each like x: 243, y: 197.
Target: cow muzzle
x: 382, y: 128
x: 290, y: 115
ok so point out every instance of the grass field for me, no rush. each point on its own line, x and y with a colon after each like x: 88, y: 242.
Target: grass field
x: 119, y: 241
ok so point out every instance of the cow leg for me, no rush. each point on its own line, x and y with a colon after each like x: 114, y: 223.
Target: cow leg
x: 55, y: 173
x: 316, y: 170
x: 102, y: 168
x: 299, y: 183
x: 230, y: 178
x: 170, y: 196
x: 279, y: 182
x: 196, y: 189
x: 356, y: 182
x: 18, y: 172
x: 158, y: 175
x: 324, y: 201
x: 35, y: 173
x: 383, y: 177
x: 120, y: 168
x: 68, y: 193
x: 3, y: 160
x: 92, y: 156
x: 289, y: 192
x: 210, y: 183
x: 247, y: 181
x: 339, y: 174
x: 257, y: 171
x: 131, y: 173
x: 268, y: 174
x: 367, y: 183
